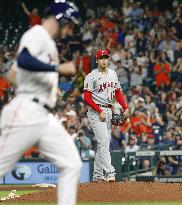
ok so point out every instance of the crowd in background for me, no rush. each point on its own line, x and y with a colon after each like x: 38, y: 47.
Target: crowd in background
x: 145, y: 45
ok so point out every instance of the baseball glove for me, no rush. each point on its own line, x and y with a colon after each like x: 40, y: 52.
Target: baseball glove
x: 118, y: 120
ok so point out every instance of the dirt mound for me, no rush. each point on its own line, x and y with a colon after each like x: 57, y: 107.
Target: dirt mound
x: 114, y: 192
x: 18, y: 187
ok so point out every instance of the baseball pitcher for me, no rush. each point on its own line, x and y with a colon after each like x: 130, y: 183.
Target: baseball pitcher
x: 101, y: 86
x: 26, y: 120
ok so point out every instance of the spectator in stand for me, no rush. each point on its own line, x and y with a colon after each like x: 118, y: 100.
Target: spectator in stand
x: 117, y: 53
x: 117, y: 139
x: 72, y: 131
x: 84, y: 146
x: 87, y: 34
x: 178, y: 51
x: 146, y: 143
x: 140, y: 104
x: 83, y: 61
x: 171, y: 113
x: 4, y: 91
x: 33, y: 15
x: 176, y: 74
x: 126, y: 9
x: 78, y: 81
x: 149, y: 105
x: 32, y: 152
x: 162, y: 74
x: 173, y: 94
x: 167, y: 44
x: 140, y: 120
x: 134, y: 94
x: 158, y: 128
x: 151, y: 63
x: 123, y: 75
x: 127, y: 59
x: 85, y: 126
x: 168, y: 139
x: 137, y: 74
x: 162, y: 103
x: 136, y: 12
x: 4, y: 84
x: 130, y: 42
x: 141, y: 42
x: 143, y: 142
x: 132, y: 144
x: 175, y: 162
x: 162, y: 168
x: 147, y: 91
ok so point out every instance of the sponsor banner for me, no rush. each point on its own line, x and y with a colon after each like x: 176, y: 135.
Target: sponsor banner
x: 39, y: 172
x: 1, y: 181
x: 171, y: 153
x: 161, y: 179
x: 145, y: 153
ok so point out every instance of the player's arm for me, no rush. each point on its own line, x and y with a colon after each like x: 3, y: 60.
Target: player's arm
x: 120, y: 98
x: 25, y: 9
x: 88, y: 99
x: 32, y: 44
x: 88, y: 88
x: 28, y: 62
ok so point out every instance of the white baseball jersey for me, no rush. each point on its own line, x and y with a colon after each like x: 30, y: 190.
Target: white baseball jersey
x: 42, y: 85
x: 25, y: 123
x: 102, y: 85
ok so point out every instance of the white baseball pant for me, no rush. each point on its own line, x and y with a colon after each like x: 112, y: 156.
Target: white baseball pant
x: 25, y: 123
x: 102, y: 131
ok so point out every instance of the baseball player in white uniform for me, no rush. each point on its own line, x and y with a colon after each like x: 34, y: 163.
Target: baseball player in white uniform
x: 101, y: 87
x: 26, y: 120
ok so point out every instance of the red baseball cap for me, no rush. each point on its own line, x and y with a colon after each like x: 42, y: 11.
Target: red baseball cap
x: 102, y: 53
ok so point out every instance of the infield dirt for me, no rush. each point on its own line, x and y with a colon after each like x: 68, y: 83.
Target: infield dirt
x: 112, y: 192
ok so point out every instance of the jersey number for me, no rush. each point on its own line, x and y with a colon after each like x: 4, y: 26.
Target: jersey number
x: 112, y: 95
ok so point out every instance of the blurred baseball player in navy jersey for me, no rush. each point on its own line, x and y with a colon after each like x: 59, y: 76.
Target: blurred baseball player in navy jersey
x: 27, y: 119
x: 101, y: 87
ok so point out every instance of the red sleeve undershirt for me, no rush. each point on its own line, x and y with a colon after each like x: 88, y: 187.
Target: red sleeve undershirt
x: 88, y: 99
x: 120, y: 98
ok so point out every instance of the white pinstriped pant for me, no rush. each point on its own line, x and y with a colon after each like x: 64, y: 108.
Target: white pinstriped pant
x: 102, y: 131
x: 25, y: 123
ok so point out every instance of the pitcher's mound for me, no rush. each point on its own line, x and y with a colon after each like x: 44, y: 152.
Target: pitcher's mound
x: 114, y: 192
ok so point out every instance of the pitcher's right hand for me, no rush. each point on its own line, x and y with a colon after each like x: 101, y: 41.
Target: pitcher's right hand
x: 102, y: 116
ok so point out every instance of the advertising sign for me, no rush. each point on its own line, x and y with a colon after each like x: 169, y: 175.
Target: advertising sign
x: 1, y: 181
x: 39, y: 172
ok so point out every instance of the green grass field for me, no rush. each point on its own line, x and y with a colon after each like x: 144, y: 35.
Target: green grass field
x: 5, y: 193
x: 132, y: 203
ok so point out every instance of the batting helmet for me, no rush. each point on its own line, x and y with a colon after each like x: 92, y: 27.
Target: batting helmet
x: 64, y: 11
